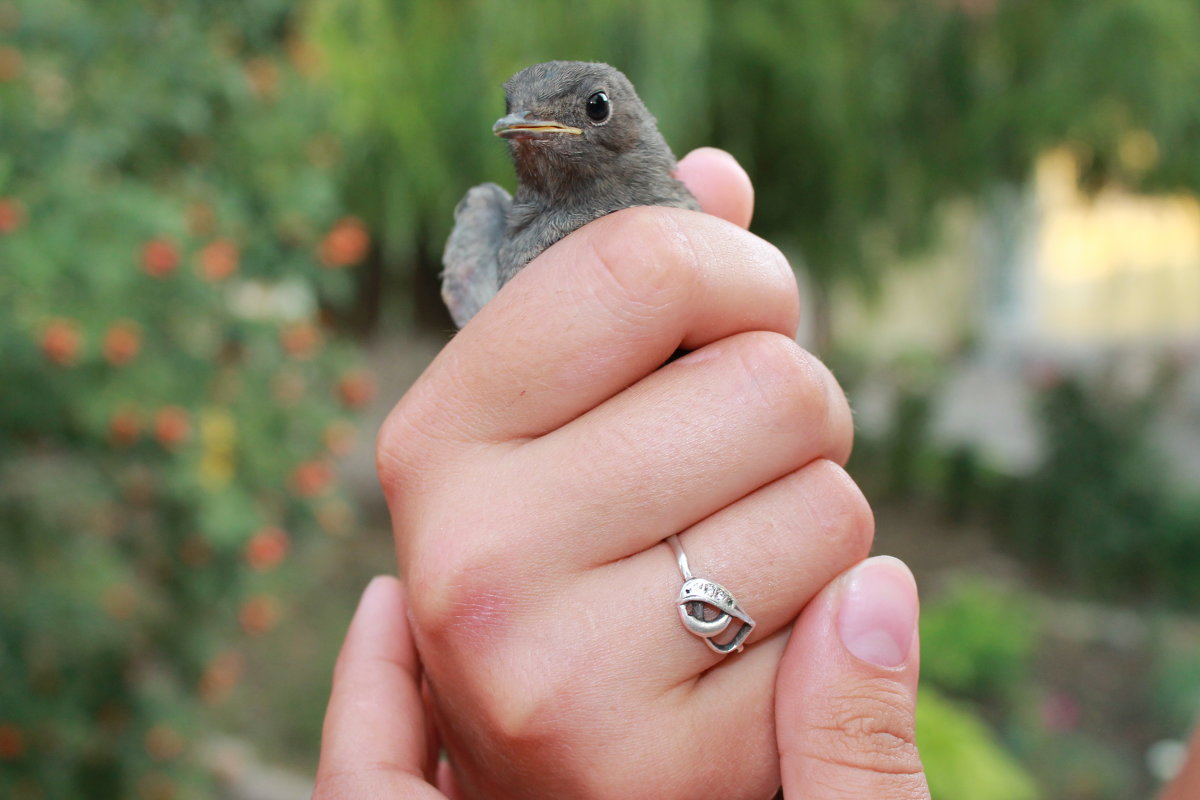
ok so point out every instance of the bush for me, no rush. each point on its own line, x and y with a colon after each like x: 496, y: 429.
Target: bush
x: 962, y: 759
x: 172, y: 403
x: 977, y: 640
x: 1098, y: 509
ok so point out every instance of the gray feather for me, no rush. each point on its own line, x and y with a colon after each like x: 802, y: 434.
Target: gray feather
x: 469, y: 278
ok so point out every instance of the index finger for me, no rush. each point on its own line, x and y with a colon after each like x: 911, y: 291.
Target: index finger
x: 596, y: 312
x: 720, y: 184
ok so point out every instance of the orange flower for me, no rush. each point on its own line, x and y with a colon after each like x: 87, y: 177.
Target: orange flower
x: 160, y: 257
x: 12, y: 215
x: 356, y: 388
x: 10, y: 64
x: 267, y: 548
x: 218, y: 260
x: 61, y: 341
x: 259, y: 614
x: 346, y: 243
x: 311, y: 478
x: 300, y: 339
x: 12, y: 742
x: 122, y: 342
x: 124, y: 426
x: 172, y: 426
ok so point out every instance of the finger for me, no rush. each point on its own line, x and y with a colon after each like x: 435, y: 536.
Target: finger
x: 773, y: 551
x: 374, y: 739
x: 727, y: 714
x: 593, y: 314
x: 846, y: 693
x: 695, y: 436
x: 720, y: 184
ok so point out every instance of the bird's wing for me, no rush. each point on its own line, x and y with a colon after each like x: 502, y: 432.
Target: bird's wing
x: 469, y: 277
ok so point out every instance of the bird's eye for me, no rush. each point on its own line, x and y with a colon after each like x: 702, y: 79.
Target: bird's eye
x: 598, y: 107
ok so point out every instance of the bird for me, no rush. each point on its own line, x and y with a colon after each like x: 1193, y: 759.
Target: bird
x: 583, y: 145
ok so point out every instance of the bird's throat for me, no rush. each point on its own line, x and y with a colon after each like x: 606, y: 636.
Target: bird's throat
x: 557, y: 177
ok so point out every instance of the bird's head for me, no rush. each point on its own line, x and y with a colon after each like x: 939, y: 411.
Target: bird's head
x: 574, y: 116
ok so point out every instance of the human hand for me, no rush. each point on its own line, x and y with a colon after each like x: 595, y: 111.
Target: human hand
x: 533, y: 471
x: 845, y: 699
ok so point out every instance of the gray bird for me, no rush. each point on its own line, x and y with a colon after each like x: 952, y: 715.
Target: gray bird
x: 583, y: 145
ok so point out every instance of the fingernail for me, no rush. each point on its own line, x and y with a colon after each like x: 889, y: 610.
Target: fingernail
x: 878, y: 617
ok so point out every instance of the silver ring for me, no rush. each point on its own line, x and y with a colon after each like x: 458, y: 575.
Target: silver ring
x: 707, y: 608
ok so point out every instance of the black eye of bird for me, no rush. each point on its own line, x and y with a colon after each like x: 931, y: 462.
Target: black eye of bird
x: 598, y: 107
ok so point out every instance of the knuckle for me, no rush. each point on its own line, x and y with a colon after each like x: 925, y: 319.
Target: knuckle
x: 783, y: 376
x: 795, y: 387
x: 847, y: 516
x: 393, y: 458
x: 403, y: 449
x: 533, y: 715
x: 454, y: 595
x: 424, y: 433
x: 644, y: 257
x: 775, y: 263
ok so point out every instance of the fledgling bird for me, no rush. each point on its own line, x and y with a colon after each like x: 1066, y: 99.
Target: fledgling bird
x: 583, y: 145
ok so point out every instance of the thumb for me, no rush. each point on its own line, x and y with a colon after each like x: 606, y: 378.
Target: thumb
x: 375, y: 742
x: 845, y: 699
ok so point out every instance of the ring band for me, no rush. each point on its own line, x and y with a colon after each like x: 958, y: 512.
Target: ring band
x: 707, y: 608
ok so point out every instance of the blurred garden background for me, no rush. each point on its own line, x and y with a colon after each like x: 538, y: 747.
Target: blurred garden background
x: 220, y: 231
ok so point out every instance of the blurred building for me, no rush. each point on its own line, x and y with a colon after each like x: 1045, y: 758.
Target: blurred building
x: 1114, y: 269
x: 1048, y: 272
x: 1045, y: 279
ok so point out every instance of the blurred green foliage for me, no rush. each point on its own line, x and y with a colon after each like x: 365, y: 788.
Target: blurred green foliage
x: 171, y: 403
x: 1075, y: 766
x: 977, y: 641
x: 1098, y: 511
x: 963, y: 760
x: 1176, y: 687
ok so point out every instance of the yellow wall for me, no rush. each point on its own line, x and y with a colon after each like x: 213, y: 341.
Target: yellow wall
x: 1105, y: 270
x: 1116, y: 267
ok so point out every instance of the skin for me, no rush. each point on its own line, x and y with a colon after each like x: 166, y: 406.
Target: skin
x: 539, y: 570
x: 539, y: 598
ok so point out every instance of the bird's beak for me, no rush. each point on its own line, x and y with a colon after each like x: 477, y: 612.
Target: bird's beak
x: 519, y: 126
